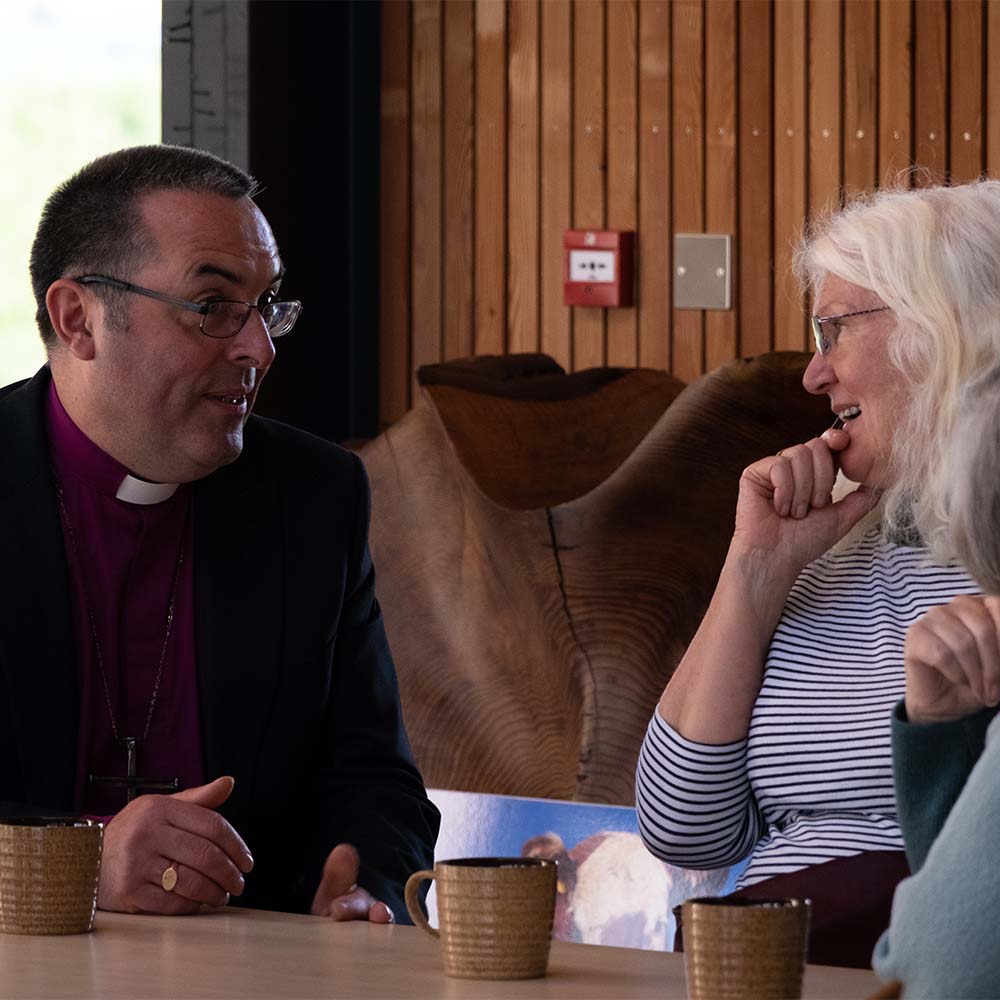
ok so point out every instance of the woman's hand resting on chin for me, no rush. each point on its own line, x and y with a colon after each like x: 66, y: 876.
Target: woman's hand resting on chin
x: 785, y: 511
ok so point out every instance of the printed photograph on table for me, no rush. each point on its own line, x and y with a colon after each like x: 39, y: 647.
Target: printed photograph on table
x: 611, y: 890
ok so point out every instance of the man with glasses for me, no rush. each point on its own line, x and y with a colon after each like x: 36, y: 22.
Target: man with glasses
x: 189, y: 597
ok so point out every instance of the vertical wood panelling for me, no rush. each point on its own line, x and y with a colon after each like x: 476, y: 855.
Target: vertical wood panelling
x: 507, y: 122
x: 556, y: 156
x: 522, y: 177
x: 623, y: 344
x: 720, y: 160
x: 789, y: 168
x: 825, y: 134
x: 655, y: 251
x: 394, y: 211
x: 489, y: 337
x: 589, y: 161
x: 966, y: 90
x: 895, y: 91
x: 992, y: 116
x: 687, y: 361
x: 427, y: 183
x: 860, y: 94
x: 755, y: 177
x: 930, y: 92
x: 458, y: 316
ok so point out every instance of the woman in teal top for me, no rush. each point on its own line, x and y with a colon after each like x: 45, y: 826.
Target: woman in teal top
x: 943, y: 940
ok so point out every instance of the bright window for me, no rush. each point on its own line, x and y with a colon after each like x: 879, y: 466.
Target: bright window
x: 76, y: 80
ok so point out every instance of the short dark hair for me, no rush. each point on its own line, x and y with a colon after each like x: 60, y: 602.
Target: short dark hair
x: 91, y: 223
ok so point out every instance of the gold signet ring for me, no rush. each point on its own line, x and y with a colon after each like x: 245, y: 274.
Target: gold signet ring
x: 169, y: 879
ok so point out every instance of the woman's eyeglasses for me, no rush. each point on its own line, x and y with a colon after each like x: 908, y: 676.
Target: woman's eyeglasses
x: 826, y: 339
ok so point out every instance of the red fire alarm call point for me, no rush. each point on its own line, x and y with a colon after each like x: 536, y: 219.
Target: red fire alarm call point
x: 598, y: 268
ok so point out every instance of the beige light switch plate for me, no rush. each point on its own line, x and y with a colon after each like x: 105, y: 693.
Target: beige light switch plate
x: 702, y: 271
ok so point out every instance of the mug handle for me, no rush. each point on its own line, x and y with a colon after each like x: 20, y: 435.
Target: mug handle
x: 411, y: 895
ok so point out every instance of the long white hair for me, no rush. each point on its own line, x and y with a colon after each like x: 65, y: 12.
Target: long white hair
x: 964, y: 490
x: 933, y: 256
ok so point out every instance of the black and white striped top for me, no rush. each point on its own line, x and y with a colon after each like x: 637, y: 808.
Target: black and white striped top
x: 812, y: 781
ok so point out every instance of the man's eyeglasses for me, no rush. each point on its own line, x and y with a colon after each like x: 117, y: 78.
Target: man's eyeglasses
x: 825, y: 341
x: 220, y: 318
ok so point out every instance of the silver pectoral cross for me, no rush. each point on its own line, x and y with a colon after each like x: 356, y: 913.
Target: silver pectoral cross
x: 131, y: 782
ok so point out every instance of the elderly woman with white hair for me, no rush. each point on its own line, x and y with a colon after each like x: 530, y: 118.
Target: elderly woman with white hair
x: 946, y: 736
x: 772, y: 740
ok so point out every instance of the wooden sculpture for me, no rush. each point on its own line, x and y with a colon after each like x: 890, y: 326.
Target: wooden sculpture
x: 532, y: 644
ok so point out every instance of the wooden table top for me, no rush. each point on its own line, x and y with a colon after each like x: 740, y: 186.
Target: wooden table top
x: 253, y: 953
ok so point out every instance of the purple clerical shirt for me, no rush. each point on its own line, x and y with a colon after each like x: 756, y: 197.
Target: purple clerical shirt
x: 122, y: 567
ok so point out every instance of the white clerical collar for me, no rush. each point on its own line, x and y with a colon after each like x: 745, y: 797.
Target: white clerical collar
x: 139, y: 491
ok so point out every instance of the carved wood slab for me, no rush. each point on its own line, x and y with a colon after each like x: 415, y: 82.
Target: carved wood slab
x: 532, y: 644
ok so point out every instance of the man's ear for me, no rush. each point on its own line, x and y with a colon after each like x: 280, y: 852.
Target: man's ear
x: 72, y: 312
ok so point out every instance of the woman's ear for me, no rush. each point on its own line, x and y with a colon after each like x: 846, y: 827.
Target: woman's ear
x: 72, y: 311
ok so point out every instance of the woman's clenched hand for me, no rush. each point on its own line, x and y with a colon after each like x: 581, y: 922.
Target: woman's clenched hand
x: 952, y: 658
x: 785, y: 512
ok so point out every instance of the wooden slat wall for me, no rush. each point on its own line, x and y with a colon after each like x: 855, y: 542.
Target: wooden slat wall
x: 427, y: 257
x: 522, y: 177
x: 506, y: 122
x: 458, y: 317
x: 489, y: 335
x: 753, y: 247
x: 967, y: 90
x: 622, y: 160
x: 589, y: 159
x: 556, y: 174
x: 790, y: 144
x: 688, y: 43
x: 721, y: 27
x: 655, y: 219
x: 930, y: 90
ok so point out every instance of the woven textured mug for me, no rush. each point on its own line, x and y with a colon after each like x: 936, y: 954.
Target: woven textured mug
x: 745, y: 949
x: 495, y: 915
x: 49, y: 870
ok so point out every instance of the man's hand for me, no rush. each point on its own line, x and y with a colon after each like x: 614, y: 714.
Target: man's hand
x: 154, y: 832
x: 339, y: 896
x: 952, y: 657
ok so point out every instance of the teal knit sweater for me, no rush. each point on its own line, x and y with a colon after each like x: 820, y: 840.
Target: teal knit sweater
x: 944, y: 937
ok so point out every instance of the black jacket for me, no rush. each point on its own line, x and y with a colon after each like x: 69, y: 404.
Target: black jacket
x: 297, y: 689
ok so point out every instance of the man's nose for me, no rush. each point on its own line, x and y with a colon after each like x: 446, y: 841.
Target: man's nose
x: 252, y: 347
